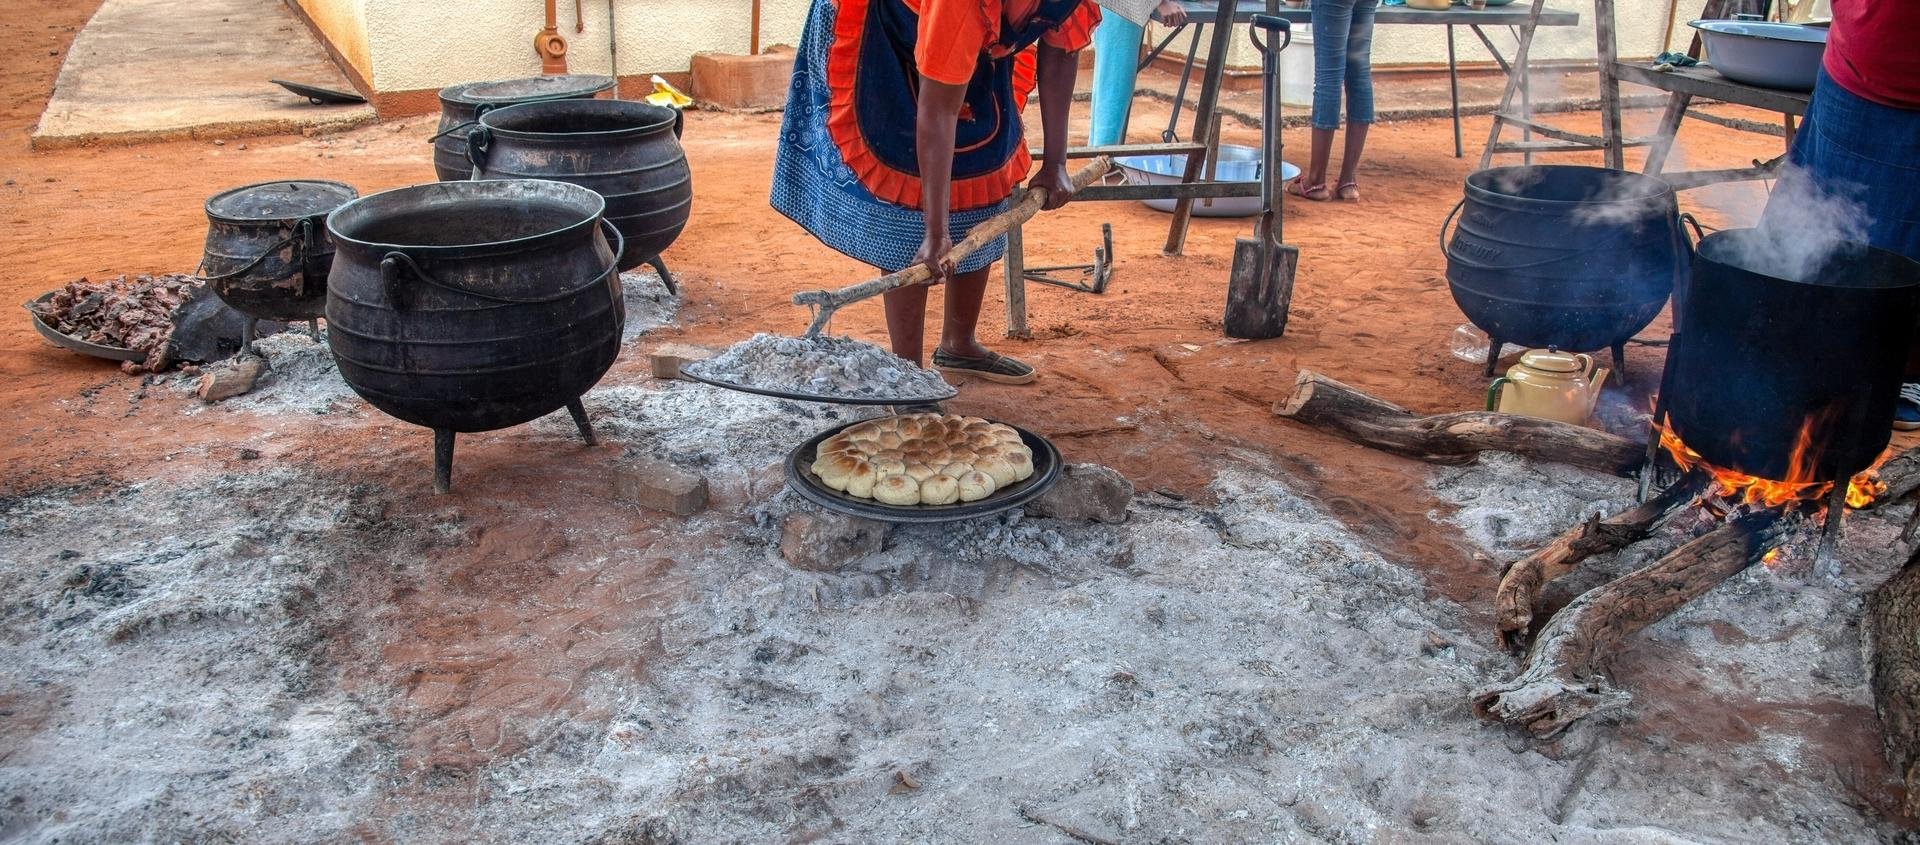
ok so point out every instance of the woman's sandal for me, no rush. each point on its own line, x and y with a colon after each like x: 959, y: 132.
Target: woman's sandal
x: 1348, y: 191
x: 994, y: 367
x: 1317, y: 193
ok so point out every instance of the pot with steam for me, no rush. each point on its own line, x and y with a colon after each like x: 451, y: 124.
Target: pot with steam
x: 1563, y: 256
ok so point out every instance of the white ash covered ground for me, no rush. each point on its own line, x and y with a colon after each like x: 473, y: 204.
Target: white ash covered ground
x: 198, y: 659
x: 839, y: 367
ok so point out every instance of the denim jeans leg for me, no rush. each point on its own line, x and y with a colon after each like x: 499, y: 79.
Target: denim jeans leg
x: 1359, y: 61
x: 1331, y: 21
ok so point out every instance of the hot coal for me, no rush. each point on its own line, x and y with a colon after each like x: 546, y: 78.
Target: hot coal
x: 129, y: 312
x: 835, y: 367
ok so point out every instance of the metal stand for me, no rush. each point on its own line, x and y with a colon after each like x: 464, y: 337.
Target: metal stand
x: 1095, y: 276
x: 579, y: 413
x: 442, y: 460
x: 659, y: 265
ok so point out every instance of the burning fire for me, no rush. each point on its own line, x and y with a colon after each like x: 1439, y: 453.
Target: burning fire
x: 1735, y: 488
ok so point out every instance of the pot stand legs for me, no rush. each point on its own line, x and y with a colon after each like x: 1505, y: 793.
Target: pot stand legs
x: 313, y: 328
x: 659, y: 265
x: 443, y: 445
x: 1494, y: 345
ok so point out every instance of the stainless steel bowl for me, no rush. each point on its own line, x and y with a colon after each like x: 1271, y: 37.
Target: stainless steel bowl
x: 1236, y: 163
x: 1770, y: 55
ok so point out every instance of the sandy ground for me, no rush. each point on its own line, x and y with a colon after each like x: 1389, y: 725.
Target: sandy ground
x: 255, y: 622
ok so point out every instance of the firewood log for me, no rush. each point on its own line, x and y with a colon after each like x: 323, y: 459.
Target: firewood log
x: 1892, y: 643
x: 1454, y: 438
x: 1565, y: 678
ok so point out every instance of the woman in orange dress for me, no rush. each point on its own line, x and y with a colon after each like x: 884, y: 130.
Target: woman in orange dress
x: 886, y: 91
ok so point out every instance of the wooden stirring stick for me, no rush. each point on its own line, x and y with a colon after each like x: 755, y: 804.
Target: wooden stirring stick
x: 829, y: 301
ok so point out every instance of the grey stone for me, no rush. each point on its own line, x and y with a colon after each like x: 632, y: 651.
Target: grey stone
x: 1086, y: 492
x: 656, y: 484
x: 825, y: 542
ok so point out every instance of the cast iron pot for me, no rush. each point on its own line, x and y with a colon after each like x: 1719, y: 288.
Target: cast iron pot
x: 267, y: 252
x: 1756, y: 357
x: 1563, y: 256
x: 472, y: 306
x: 462, y: 105
x: 627, y: 151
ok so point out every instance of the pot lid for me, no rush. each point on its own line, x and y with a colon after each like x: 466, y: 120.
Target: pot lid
x: 287, y: 199
x: 1550, y: 361
x: 536, y: 88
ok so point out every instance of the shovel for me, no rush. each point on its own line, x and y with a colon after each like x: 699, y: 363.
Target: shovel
x: 1261, y: 286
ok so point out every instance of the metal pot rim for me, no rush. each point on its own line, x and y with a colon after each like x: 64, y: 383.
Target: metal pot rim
x: 666, y: 123
x: 591, y: 220
x: 1659, y: 190
x: 458, y: 93
x: 1719, y: 242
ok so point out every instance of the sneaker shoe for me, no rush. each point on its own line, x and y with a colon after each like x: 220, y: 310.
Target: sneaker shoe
x: 1906, y: 415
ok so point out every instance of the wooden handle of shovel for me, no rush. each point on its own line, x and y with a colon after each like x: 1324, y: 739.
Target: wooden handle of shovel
x: 829, y: 301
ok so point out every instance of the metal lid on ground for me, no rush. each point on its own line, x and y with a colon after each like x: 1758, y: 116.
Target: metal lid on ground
x: 287, y: 199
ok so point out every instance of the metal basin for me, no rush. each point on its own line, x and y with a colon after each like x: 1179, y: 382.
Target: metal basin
x: 1770, y: 55
x: 1235, y: 163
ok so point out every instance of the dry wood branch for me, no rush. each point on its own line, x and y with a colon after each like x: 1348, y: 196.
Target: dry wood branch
x: 1522, y: 582
x: 1453, y: 438
x: 1893, y: 649
x: 988, y: 231
x: 1901, y: 474
x: 1564, y: 679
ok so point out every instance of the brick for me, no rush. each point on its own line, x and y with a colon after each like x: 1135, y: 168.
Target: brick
x: 659, y: 485
x: 230, y: 378
x: 825, y: 542
x: 668, y: 358
x: 1086, y: 492
x: 728, y: 81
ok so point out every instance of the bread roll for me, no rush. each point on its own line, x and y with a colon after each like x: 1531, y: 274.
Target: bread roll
x: 862, y: 429
x: 961, y: 455
x: 860, y: 481
x: 1022, y: 462
x: 909, y: 428
x: 938, y: 456
x: 888, y: 439
x: 889, y: 455
x: 1007, y: 434
x: 883, y: 467
x: 956, y: 469
x: 981, y: 440
x: 834, y: 469
x: 939, y: 490
x: 919, y: 471
x: 998, y: 468
x: 897, y: 490
x: 975, y: 486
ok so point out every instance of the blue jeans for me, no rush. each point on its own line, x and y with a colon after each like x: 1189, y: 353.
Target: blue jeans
x: 1857, y: 148
x: 1342, y: 57
x: 1116, y: 58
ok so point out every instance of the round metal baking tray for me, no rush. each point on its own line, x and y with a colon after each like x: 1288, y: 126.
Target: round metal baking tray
x: 799, y: 467
x: 97, y: 350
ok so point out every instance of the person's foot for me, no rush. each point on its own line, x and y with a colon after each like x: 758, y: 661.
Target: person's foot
x: 1348, y: 191
x: 1906, y: 415
x: 986, y: 365
x: 1316, y: 193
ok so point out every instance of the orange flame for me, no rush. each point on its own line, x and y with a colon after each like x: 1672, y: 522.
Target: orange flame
x: 1738, y: 488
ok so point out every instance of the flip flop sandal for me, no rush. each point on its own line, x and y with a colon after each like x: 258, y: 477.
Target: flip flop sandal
x: 994, y: 367
x: 1348, y: 191
x: 1317, y: 193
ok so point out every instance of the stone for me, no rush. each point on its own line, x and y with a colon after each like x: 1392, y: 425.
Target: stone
x: 668, y: 358
x: 826, y: 542
x: 1085, y: 493
x: 728, y: 81
x: 231, y: 378
x: 658, y: 485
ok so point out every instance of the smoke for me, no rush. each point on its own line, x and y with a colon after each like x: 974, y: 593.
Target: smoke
x: 1804, y: 225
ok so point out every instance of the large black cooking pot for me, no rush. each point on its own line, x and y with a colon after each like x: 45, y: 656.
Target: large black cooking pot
x: 462, y: 105
x: 1757, y: 358
x: 1564, y: 256
x: 267, y: 252
x: 627, y: 151
x: 471, y: 306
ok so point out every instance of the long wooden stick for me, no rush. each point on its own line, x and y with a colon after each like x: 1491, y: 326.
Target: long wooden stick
x: 989, y: 230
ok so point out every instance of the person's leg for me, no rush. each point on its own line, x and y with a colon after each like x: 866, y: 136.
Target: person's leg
x: 1359, y: 66
x: 1116, y: 56
x: 1331, y: 21
x: 907, y: 321
x: 960, y: 350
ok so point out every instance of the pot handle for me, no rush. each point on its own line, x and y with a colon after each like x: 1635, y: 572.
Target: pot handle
x: 1449, y: 222
x: 679, y: 122
x: 302, y: 235
x: 1699, y: 231
x: 479, y: 140
x: 396, y: 266
x: 1493, y: 393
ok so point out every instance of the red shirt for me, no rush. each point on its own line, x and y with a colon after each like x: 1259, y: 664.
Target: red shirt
x: 954, y: 32
x: 1871, y: 50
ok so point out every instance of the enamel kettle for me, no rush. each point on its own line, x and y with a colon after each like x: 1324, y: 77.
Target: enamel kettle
x: 1549, y: 383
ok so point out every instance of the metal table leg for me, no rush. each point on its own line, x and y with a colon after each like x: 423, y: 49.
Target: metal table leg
x: 1453, y: 84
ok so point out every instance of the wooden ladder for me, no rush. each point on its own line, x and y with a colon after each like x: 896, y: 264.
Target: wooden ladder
x: 1609, y: 140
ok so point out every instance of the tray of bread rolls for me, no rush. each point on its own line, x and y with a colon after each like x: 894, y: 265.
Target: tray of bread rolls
x: 922, y: 467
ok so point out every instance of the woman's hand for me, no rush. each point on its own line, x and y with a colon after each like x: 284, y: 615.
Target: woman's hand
x: 1054, y: 177
x: 936, y: 253
x: 1170, y: 13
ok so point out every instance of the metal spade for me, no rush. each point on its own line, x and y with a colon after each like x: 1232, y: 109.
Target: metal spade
x: 1261, y: 286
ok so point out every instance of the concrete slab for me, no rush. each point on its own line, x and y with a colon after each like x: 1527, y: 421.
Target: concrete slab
x: 146, y: 70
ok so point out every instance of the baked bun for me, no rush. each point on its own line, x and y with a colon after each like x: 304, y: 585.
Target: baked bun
x: 997, y: 467
x: 981, y: 439
x: 883, y: 467
x: 939, y: 490
x: 889, y: 455
x: 834, y: 469
x: 975, y: 486
x: 888, y: 439
x: 919, y: 471
x: 957, y: 469
x: 897, y: 490
x: 860, y: 481
x: 1022, y: 462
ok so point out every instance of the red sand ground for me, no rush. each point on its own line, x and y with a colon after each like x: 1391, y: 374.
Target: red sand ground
x: 1120, y: 386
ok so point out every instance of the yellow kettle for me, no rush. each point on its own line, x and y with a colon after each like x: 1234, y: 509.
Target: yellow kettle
x: 1551, y: 384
